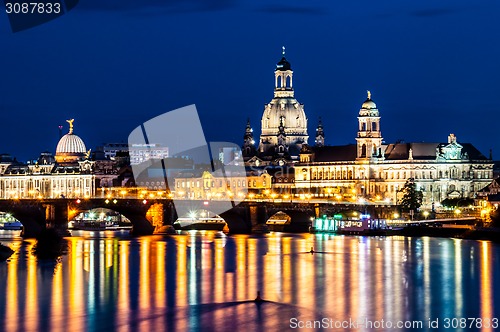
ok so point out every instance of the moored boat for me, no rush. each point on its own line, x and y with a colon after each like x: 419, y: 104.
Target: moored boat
x: 192, y: 223
x: 11, y: 226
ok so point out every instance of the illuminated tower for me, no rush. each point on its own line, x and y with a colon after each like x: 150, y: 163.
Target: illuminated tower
x: 248, y: 141
x: 369, y: 138
x: 320, y: 134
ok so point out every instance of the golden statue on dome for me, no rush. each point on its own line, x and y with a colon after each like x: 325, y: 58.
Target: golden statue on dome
x: 369, y: 94
x: 70, y: 125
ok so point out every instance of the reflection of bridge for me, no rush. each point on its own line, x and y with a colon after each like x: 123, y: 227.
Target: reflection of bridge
x: 147, y: 216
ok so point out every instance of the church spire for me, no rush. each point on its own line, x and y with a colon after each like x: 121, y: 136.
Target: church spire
x: 369, y: 138
x: 283, y: 77
x: 320, y: 134
x: 248, y: 141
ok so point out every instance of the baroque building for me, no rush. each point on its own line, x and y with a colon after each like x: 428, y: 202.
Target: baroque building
x: 68, y: 174
x: 375, y: 171
x: 370, y: 169
x: 283, y: 124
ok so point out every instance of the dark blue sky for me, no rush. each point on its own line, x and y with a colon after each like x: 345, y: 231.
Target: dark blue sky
x: 433, y: 68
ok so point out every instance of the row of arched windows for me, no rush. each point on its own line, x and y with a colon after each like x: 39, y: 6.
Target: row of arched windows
x: 363, y: 126
x: 279, y: 81
x: 332, y: 174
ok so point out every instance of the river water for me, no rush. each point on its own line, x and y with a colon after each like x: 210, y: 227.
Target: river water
x: 207, y: 281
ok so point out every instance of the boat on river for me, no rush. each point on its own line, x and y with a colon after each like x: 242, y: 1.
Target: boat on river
x: 8, y: 222
x: 202, y: 223
x: 99, y: 220
x: 11, y: 226
x: 96, y: 225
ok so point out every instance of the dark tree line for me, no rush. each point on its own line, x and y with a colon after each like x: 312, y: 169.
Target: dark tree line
x: 411, y: 198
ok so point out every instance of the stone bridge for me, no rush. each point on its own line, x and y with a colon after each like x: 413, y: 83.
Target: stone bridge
x: 149, y: 215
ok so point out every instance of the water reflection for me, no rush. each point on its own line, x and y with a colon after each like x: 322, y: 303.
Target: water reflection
x: 207, y: 281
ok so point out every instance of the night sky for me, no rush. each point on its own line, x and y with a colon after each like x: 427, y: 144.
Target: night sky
x: 433, y: 68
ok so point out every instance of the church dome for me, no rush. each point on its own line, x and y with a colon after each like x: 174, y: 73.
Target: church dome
x: 290, y: 113
x: 70, y: 143
x: 369, y: 104
x: 70, y: 147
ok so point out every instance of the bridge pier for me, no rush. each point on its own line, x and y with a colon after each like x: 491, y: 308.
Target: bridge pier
x: 57, y: 216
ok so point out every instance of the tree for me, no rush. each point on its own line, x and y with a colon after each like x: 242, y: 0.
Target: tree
x: 412, y: 198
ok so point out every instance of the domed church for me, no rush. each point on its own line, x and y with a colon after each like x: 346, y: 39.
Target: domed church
x: 284, y: 122
x: 370, y: 169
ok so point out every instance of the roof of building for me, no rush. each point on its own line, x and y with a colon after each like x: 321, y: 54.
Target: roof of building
x: 335, y: 153
x: 70, y: 143
x: 426, y: 151
x: 395, y: 151
x: 369, y: 104
x: 283, y: 64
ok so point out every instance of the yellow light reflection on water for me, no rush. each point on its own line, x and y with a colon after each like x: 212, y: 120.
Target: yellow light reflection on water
x: 181, y: 285
x: 144, y: 281
x: 161, y: 277
x: 57, y: 305
x: 241, y: 266
x: 31, y: 309
x: 287, y: 270
x: 11, y: 310
x: 219, y: 271
x: 123, y: 286
x: 75, y: 284
x: 157, y: 284
x: 486, y: 285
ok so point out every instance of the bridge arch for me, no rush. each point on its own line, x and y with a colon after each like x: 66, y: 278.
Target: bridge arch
x: 298, y: 220
x: 144, y: 216
x: 31, y: 216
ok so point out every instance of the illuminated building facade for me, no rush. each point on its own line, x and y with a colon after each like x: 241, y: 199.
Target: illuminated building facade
x: 376, y: 171
x: 219, y: 185
x: 68, y: 174
x: 284, y: 123
x: 369, y: 169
